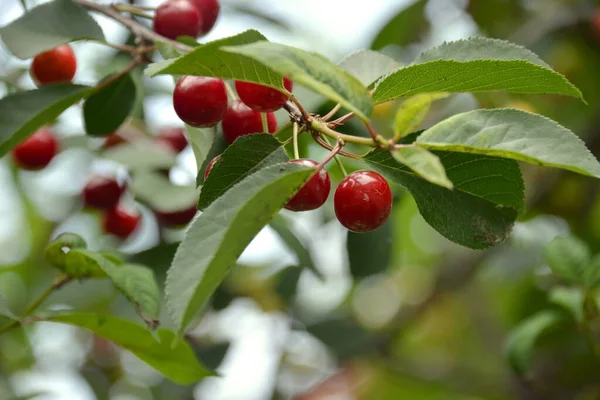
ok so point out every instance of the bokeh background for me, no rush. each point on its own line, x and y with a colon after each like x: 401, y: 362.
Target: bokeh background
x: 416, y: 317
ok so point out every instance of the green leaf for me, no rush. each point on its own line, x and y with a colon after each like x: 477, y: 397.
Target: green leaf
x: 211, y: 60
x: 23, y: 113
x: 479, y: 212
x: 5, y: 310
x: 280, y: 226
x: 244, y: 157
x: 312, y: 70
x: 82, y: 263
x: 377, y: 258
x: 160, y: 194
x: 344, y: 337
x: 167, y: 50
x: 138, y: 285
x: 413, y: 111
x: 218, y: 236
x: 405, y: 27
x: 210, y: 355
x: 142, y: 154
x: 567, y: 257
x: 475, y: 65
x: 108, y: 107
x: 218, y: 145
x: 512, y: 134
x: 287, y: 283
x: 57, y: 250
x: 571, y: 299
x: 177, y: 362
x: 47, y: 26
x: 368, y: 65
x: 591, y: 272
x: 522, y: 339
x: 424, y: 163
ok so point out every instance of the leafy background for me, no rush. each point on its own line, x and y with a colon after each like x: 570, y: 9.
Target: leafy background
x: 420, y: 319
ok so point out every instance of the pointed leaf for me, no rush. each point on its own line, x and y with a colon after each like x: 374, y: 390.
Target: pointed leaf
x: 160, y: 194
x: 522, y: 339
x: 216, y: 238
x: 280, y: 226
x: 405, y: 27
x: 23, y: 113
x: 567, y: 257
x: 142, y: 154
x: 368, y: 65
x: 177, y: 363
x: 571, y: 299
x: 424, y: 163
x: 481, y: 209
x: 413, y: 111
x: 49, y: 25
x: 475, y: 65
x: 57, y: 250
x: 244, y: 157
x: 512, y: 134
x: 211, y: 60
x: 313, y: 71
x: 107, y: 108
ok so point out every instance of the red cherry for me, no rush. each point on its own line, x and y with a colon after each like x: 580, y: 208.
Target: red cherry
x: 120, y: 222
x: 314, y: 193
x: 200, y: 101
x: 363, y: 201
x: 262, y: 98
x: 113, y: 139
x: 176, y: 218
x: 54, y: 66
x: 102, y: 192
x: 210, y: 165
x: 174, y: 138
x: 36, y: 151
x: 240, y: 120
x: 176, y: 18
x: 209, y: 11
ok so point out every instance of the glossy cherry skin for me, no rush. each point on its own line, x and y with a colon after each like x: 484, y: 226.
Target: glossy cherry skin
x: 200, y: 101
x: 240, y: 120
x: 36, y: 151
x: 210, y: 165
x: 102, y: 192
x: 120, y: 222
x: 54, y: 66
x: 174, y: 138
x: 314, y: 193
x: 363, y: 201
x: 176, y: 18
x: 209, y: 11
x: 176, y: 218
x: 262, y: 98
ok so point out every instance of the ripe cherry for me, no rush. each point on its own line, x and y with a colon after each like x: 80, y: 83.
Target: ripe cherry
x: 240, y: 120
x: 54, y: 66
x: 37, y: 151
x: 209, y: 11
x: 363, y: 201
x: 174, y: 138
x: 176, y: 18
x: 314, y: 193
x: 262, y: 98
x: 200, y: 101
x: 210, y: 165
x: 176, y: 218
x: 121, y: 222
x: 102, y: 192
x: 114, y: 139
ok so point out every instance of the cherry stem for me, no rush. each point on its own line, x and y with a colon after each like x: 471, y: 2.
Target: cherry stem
x: 134, y: 10
x: 122, y: 47
x: 126, y: 7
x: 128, y: 68
x: 334, y: 151
x: 231, y: 92
x: 59, y: 282
x: 295, y: 140
x: 338, y: 161
x: 323, y: 128
x: 341, y: 120
x: 265, y: 122
x: 331, y: 113
x: 303, y: 113
x: 135, y: 27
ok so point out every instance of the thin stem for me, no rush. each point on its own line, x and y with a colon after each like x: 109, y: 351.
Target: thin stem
x: 295, y: 139
x: 334, y: 151
x: 338, y: 161
x: 133, y: 10
x: 128, y: 68
x: 139, y: 7
x: 376, y: 136
x: 341, y: 120
x: 303, y: 113
x: 133, y: 26
x: 122, y: 47
x: 264, y: 121
x: 231, y: 92
x: 326, y: 130
x: 59, y: 282
x: 331, y: 113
